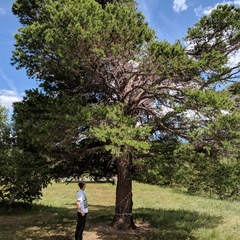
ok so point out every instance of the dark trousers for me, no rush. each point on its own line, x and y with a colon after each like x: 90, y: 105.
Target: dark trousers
x: 80, y: 226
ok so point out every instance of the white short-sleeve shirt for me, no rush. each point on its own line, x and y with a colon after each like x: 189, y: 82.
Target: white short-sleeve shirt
x: 81, y: 196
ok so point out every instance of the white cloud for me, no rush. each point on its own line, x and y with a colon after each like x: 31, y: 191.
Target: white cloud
x: 7, y: 97
x: 199, y: 11
x: 179, y: 5
x: 236, y: 2
x: 234, y: 59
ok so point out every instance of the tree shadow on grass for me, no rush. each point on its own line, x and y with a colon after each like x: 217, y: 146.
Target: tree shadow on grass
x: 157, y: 224
x: 39, y: 222
x: 59, y: 224
x: 175, y: 224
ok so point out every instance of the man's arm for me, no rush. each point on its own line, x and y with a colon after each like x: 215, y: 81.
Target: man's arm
x: 79, y: 208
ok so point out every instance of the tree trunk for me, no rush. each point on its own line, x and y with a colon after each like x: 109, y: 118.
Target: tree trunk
x: 123, y: 219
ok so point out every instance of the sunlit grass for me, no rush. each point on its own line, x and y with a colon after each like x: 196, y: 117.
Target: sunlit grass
x: 194, y: 216
x: 171, y: 214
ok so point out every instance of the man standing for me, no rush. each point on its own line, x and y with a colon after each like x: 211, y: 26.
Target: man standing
x: 82, y: 207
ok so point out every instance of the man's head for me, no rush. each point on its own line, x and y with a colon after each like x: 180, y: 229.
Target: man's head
x: 82, y: 185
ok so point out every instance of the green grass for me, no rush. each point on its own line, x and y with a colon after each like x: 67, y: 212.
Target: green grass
x: 168, y: 214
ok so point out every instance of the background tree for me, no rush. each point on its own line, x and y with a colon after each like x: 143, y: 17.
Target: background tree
x: 4, y: 127
x: 4, y: 144
x: 20, y: 175
x: 107, y: 80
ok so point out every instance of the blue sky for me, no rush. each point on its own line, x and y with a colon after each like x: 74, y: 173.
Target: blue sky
x: 169, y: 18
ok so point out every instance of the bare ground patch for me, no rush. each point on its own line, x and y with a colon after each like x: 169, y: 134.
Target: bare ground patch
x: 104, y: 231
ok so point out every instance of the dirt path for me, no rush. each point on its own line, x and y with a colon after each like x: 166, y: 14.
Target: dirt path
x: 104, y: 232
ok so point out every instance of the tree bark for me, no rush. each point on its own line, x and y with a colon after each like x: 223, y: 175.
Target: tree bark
x: 123, y: 219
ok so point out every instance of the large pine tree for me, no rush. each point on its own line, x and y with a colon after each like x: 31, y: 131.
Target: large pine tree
x: 109, y: 85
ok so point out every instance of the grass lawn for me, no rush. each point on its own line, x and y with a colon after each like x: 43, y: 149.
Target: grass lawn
x: 160, y: 213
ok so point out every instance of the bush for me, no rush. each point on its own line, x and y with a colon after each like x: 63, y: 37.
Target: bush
x: 22, y: 177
